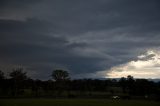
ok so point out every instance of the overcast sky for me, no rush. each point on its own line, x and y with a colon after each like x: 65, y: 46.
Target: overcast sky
x: 88, y: 38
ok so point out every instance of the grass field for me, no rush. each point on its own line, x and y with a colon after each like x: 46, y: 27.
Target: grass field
x: 75, y: 102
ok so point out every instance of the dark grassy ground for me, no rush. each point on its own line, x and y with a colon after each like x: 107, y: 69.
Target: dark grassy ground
x: 75, y: 102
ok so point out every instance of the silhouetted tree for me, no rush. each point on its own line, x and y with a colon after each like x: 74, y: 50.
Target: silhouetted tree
x: 130, y: 84
x: 60, y: 75
x: 144, y: 87
x: 1, y: 75
x: 18, y: 77
x: 1, y: 82
x: 122, y: 83
x: 18, y: 74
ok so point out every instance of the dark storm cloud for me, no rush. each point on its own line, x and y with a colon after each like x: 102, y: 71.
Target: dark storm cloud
x: 27, y: 42
x: 83, y: 36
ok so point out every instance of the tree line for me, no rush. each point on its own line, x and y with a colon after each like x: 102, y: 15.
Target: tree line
x: 20, y: 85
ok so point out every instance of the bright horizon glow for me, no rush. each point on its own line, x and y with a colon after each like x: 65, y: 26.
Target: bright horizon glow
x: 146, y: 66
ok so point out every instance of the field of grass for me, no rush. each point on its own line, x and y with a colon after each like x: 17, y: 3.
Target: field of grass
x: 75, y: 102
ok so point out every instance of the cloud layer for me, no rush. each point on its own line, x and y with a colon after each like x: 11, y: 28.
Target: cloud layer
x: 82, y: 36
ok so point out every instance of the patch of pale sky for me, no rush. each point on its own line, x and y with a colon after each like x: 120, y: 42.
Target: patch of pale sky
x: 139, y: 69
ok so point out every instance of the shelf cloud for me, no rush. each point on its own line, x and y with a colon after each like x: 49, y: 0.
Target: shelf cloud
x: 82, y: 36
